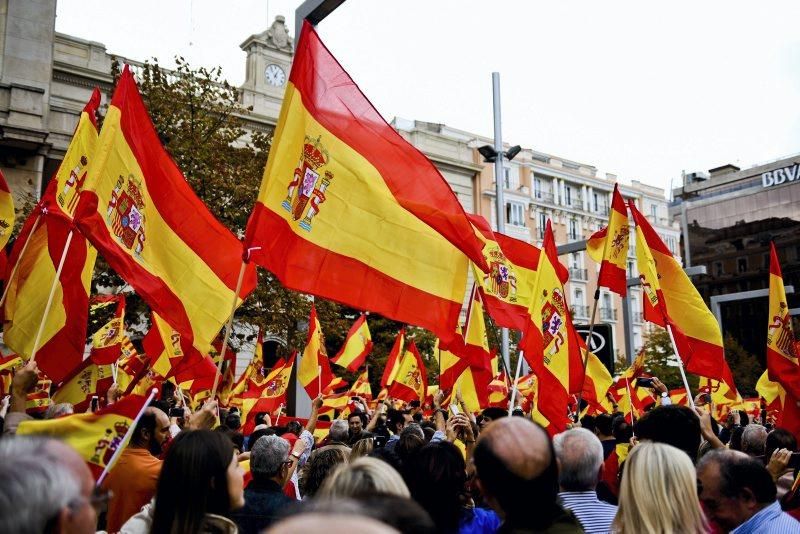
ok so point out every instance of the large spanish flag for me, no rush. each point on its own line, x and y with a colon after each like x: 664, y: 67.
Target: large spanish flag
x: 314, y: 371
x: 46, y: 232
x: 609, y: 247
x: 551, y: 344
x: 350, y: 211
x: 141, y: 214
x: 7, y: 215
x: 357, y: 345
x: 507, y: 288
x: 107, y: 341
x: 95, y: 436
x: 670, y: 299
x: 411, y: 381
x: 270, y: 397
x: 782, y: 357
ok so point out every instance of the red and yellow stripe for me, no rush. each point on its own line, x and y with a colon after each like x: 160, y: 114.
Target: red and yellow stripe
x: 782, y: 357
x: 609, y: 247
x: 357, y: 345
x: 411, y: 381
x: 7, y: 215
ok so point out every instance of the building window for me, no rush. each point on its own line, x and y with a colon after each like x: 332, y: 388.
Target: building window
x: 630, y: 269
x: 537, y: 187
x: 719, y: 269
x: 568, y: 195
x: 573, y: 229
x: 506, y: 178
x: 595, y: 201
x: 653, y: 209
x: 741, y: 265
x: 542, y: 224
x: 515, y: 213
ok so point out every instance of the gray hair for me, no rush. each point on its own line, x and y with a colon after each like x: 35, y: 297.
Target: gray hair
x: 413, y: 428
x: 267, y: 456
x: 35, y: 489
x: 754, y: 438
x: 339, y: 430
x: 580, y: 455
x: 57, y: 410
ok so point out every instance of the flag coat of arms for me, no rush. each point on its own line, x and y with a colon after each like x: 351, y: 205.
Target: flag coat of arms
x: 411, y: 381
x: 7, y: 215
x: 139, y: 211
x: 609, y: 247
x: 348, y: 210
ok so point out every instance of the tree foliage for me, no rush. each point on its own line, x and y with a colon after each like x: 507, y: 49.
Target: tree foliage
x: 661, y: 361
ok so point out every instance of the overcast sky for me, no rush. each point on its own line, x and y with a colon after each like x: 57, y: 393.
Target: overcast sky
x: 637, y: 91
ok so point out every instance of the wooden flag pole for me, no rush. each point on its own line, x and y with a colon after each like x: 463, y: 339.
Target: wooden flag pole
x: 19, y: 259
x: 680, y: 366
x: 126, y: 439
x: 228, y: 329
x: 514, y: 384
x: 630, y: 403
x: 319, y: 380
x: 51, y: 295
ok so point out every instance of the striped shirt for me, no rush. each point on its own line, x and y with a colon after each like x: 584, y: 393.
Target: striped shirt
x: 770, y: 520
x: 595, y: 515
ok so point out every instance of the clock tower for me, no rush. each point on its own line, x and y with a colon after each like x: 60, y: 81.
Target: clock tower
x: 269, y: 59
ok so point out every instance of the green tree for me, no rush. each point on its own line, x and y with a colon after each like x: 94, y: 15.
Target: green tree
x: 744, y: 365
x: 660, y: 360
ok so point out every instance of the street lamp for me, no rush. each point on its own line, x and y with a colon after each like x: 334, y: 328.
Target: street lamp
x: 490, y: 154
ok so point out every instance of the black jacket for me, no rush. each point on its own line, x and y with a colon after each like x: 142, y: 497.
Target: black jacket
x: 264, y: 503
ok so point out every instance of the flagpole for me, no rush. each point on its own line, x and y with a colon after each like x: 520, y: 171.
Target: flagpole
x: 19, y: 258
x: 680, y: 366
x: 228, y: 328
x: 588, y: 344
x: 514, y: 384
x: 124, y: 442
x: 630, y: 402
x: 319, y: 380
x: 50, y: 297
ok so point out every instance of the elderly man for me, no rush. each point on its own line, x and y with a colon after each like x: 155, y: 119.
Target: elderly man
x: 47, y: 487
x: 338, y: 435
x: 738, y: 494
x: 579, y: 454
x: 517, y: 473
x: 754, y: 439
x: 271, y: 464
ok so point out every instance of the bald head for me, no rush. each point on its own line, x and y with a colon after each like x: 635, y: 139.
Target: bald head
x: 330, y: 523
x: 521, y: 445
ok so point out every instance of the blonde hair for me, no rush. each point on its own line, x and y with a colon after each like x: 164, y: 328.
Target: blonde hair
x: 361, y: 448
x: 363, y: 477
x: 658, y: 494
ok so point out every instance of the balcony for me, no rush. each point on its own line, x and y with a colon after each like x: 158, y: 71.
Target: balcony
x: 580, y: 311
x: 543, y: 196
x: 578, y: 275
x: 574, y: 201
x: 608, y: 314
x: 637, y: 317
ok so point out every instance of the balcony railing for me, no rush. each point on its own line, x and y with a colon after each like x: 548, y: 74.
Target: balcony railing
x: 543, y: 196
x: 574, y: 201
x: 608, y: 314
x: 578, y: 274
x: 580, y: 311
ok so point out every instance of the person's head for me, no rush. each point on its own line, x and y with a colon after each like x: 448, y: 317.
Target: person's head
x: 412, y: 438
x: 674, y: 425
x: 735, y: 443
x: 754, y: 438
x: 491, y: 414
x: 621, y: 429
x: 294, y: 427
x: 659, y: 492
x: 602, y: 425
x: 47, y: 487
x: 168, y: 393
x: 54, y: 411
x: 152, y: 431
x: 364, y: 477
x: 400, y: 513
x: 396, y: 420
x: 269, y: 459
x: 318, y: 469
x: 580, y: 457
x: 355, y: 422
x: 200, y: 475
x: 733, y: 487
x: 362, y: 447
x: 587, y: 422
x: 236, y: 437
x: 330, y: 522
x: 233, y: 421
x: 516, y: 466
x: 780, y: 438
x: 437, y: 480
x: 338, y: 431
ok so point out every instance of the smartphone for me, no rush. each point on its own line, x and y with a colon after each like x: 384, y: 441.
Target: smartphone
x: 95, y: 403
x: 176, y: 412
x: 644, y: 382
x: 794, y: 461
x: 454, y: 409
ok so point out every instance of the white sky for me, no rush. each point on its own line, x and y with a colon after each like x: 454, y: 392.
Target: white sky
x: 634, y: 90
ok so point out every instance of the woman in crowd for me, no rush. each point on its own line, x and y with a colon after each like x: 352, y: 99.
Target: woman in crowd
x: 318, y: 469
x: 364, y: 477
x: 658, y: 494
x: 362, y: 447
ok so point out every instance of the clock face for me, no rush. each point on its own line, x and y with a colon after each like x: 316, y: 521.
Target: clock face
x: 275, y: 75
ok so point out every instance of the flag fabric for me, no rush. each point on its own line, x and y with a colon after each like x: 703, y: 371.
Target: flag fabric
x: 772, y: 392
x: 499, y: 391
x: 411, y: 381
x: 167, y: 349
x: 228, y: 367
x: 7, y: 215
x: 450, y: 366
x: 87, y: 380
x: 270, y: 397
x: 507, y: 288
x: 390, y: 370
x: 7, y: 366
x: 107, y: 341
x: 670, y: 299
x: 782, y: 357
x: 609, y: 247
x: 253, y: 376
x: 551, y: 344
x: 357, y: 345
x: 334, y: 402
x: 597, y: 382
x: 314, y: 370
x: 46, y: 231
x: 95, y: 436
x: 361, y: 386
x: 140, y: 212
x: 473, y: 346
x: 338, y: 181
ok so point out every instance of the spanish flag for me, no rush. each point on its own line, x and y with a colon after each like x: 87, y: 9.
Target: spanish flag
x: 670, y: 299
x: 498, y: 391
x: 7, y: 215
x: 46, y: 232
x: 393, y: 360
x: 782, y: 357
x: 350, y: 211
x: 270, y: 397
x: 450, y: 366
x: 473, y: 347
x: 551, y: 344
x: 597, y: 382
x: 7, y: 366
x: 411, y: 381
x: 86, y: 380
x: 253, y: 376
x: 361, y: 386
x: 357, y: 345
x: 314, y: 370
x: 507, y: 288
x: 609, y: 247
x: 333, y: 402
x: 95, y: 436
x: 107, y: 341
x: 138, y: 210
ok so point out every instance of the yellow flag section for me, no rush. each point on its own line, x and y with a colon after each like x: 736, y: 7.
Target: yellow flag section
x: 609, y: 247
x: 411, y: 381
x: 361, y: 386
x: 268, y: 399
x: 6, y: 212
x: 349, y: 211
x: 314, y: 371
x: 95, y: 436
x: 357, y: 346
x: 107, y: 341
x: 141, y: 214
x: 782, y: 358
x: 596, y: 384
x: 86, y: 380
x: 393, y: 361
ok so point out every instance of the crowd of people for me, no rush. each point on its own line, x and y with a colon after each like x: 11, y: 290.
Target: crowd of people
x: 400, y: 469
